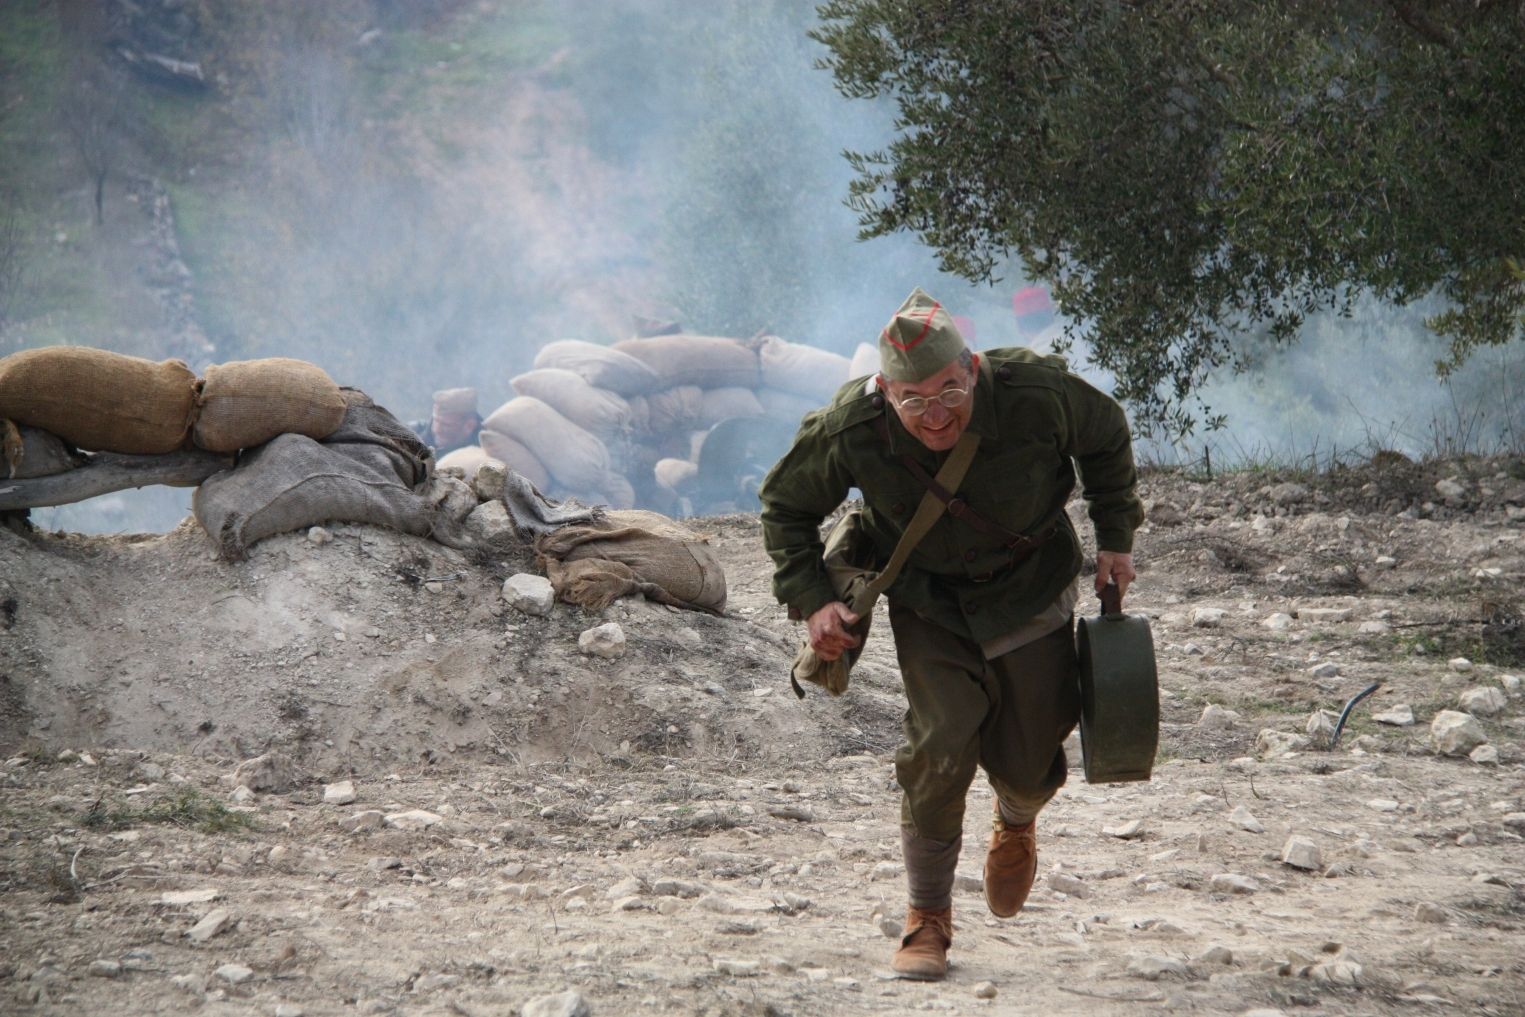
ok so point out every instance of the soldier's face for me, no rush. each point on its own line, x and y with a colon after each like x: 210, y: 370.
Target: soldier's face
x: 452, y: 428
x: 938, y: 427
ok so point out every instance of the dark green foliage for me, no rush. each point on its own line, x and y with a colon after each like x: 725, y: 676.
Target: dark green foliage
x: 1192, y: 174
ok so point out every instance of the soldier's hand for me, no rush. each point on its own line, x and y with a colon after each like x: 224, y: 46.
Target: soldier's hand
x: 1116, y: 566
x: 829, y: 637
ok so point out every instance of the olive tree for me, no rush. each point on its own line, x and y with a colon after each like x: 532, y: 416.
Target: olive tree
x: 1195, y: 177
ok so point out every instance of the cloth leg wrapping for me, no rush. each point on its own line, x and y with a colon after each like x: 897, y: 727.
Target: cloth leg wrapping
x: 929, y: 869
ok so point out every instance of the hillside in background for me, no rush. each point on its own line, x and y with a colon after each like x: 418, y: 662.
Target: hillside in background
x: 419, y: 195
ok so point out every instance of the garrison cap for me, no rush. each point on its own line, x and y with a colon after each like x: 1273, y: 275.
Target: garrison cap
x: 456, y: 400
x: 919, y: 341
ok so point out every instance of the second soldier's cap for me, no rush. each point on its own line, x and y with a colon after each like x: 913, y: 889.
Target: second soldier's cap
x: 456, y: 400
x: 919, y: 341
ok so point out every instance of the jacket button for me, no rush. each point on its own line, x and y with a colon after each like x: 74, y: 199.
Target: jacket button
x: 1003, y: 372
x: 969, y: 556
x: 878, y: 402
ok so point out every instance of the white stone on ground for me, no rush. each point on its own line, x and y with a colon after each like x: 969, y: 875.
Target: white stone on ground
x: 489, y: 525
x: 563, y: 1004
x: 1484, y: 755
x: 1320, y: 726
x: 1242, y: 818
x: 271, y: 772
x: 1207, y: 617
x: 1325, y: 614
x: 1456, y: 734
x: 1326, y: 669
x: 1063, y: 882
x: 529, y: 593
x: 234, y: 974
x: 413, y: 819
x: 360, y: 822
x: 1232, y: 882
x: 1271, y: 743
x: 1484, y: 701
x: 339, y: 793
x: 216, y: 920
x: 1450, y: 488
x: 1217, y: 718
x: 1511, y: 684
x: 1461, y: 665
x: 1153, y: 967
x: 1278, y: 622
x: 185, y: 898
x: 241, y: 795
x: 606, y: 640
x: 1397, y: 715
x: 1432, y: 914
x: 1375, y: 627
x: 105, y: 969
x: 489, y: 480
x: 1301, y: 853
x: 319, y: 535
x: 1215, y: 953
x: 985, y: 990
x: 1125, y: 831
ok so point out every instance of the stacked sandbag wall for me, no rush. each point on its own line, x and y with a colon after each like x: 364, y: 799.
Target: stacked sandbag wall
x: 101, y: 401
x: 622, y: 425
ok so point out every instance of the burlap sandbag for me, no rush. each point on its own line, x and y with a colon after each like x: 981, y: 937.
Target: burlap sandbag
x: 675, y: 474
x: 468, y: 459
x: 516, y: 457
x: 803, y: 370
x: 673, y: 410
x: 600, y: 366
x: 702, y: 360
x: 718, y: 404
x: 293, y: 482
x: 785, y: 405
x: 865, y: 361
x: 632, y: 552
x: 248, y: 402
x: 617, y: 491
x: 372, y: 470
x: 573, y: 457
x: 99, y: 400
x: 595, y: 410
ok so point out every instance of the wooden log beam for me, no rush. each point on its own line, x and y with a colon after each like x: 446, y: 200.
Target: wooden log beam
x: 105, y: 472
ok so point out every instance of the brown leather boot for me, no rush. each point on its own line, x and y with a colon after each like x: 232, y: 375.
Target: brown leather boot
x: 923, y: 953
x: 1010, y: 865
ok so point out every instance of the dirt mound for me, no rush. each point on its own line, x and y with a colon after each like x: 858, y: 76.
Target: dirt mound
x: 374, y: 648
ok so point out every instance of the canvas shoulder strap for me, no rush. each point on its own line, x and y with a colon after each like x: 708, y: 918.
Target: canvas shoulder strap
x: 950, y: 476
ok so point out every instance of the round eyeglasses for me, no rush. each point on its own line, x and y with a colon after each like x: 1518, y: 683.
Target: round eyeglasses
x: 915, y: 406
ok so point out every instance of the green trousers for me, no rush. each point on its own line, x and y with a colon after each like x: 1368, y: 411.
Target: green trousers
x: 1009, y: 715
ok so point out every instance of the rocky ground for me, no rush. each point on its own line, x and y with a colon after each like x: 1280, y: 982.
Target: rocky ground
x: 460, y: 810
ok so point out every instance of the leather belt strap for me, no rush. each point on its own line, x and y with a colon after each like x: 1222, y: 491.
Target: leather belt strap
x: 1020, y: 544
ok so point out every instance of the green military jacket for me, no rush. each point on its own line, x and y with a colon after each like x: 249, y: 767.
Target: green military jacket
x: 1036, y: 421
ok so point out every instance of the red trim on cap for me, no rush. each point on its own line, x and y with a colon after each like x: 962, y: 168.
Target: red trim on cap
x: 885, y: 335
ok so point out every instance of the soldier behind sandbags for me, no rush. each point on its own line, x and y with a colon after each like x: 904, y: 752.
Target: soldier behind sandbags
x: 455, y: 422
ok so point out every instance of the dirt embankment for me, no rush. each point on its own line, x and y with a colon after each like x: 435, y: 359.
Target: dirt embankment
x: 669, y: 831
